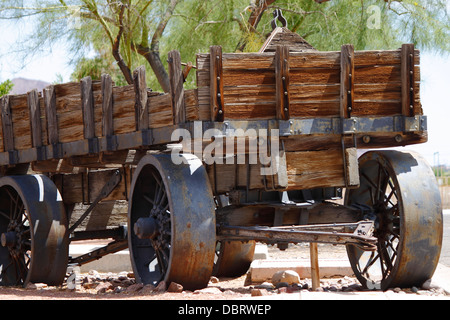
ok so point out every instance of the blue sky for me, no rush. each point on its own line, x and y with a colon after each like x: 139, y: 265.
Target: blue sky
x: 435, y: 86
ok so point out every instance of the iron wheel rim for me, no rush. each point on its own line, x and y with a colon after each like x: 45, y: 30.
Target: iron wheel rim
x: 407, y: 216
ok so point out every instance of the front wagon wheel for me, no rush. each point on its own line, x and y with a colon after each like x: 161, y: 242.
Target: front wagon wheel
x: 172, y: 217
x: 400, y: 193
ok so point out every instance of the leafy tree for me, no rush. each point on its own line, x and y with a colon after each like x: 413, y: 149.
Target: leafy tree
x: 6, y: 87
x: 126, y: 33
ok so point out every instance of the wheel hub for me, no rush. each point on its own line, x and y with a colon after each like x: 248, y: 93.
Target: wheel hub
x: 146, y: 228
x: 15, y: 239
x: 9, y: 239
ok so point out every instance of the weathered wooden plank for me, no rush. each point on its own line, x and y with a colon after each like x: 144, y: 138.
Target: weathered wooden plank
x: 378, y: 74
x: 314, y: 59
x: 176, y: 87
x: 20, y: 117
x: 250, y: 111
x: 87, y: 106
x: 315, y: 169
x: 124, y: 109
x: 351, y: 167
x: 107, y: 106
x: 347, y: 80
x: 247, y: 77
x: 50, y: 111
x: 381, y: 57
x: 191, y: 101
x: 7, y: 124
x: 282, y: 82
x: 84, y: 186
x: 216, y: 84
x: 35, y: 118
x: 317, y: 76
x: 141, y: 106
x: 407, y: 79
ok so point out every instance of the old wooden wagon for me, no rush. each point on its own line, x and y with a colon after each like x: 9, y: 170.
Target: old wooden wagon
x: 259, y: 151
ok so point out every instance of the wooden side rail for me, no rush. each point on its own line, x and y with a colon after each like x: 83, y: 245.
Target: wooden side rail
x: 368, y: 82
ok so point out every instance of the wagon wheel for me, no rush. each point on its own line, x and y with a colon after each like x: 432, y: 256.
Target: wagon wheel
x: 171, y: 212
x: 34, y: 243
x: 233, y: 258
x: 400, y: 191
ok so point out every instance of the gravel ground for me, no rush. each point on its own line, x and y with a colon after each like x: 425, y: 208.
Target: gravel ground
x: 122, y: 286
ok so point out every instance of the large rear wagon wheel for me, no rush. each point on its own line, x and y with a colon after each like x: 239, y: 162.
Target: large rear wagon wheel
x: 33, y: 231
x: 233, y: 258
x: 400, y: 193
x: 171, y: 217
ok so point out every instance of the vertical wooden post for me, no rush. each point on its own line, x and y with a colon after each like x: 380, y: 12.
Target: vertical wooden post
x: 216, y: 83
x: 107, y: 112
x: 107, y: 106
x: 87, y: 106
x: 407, y: 76
x: 50, y: 111
x: 141, y: 107
x: 52, y: 121
x: 314, y: 257
x: 282, y: 81
x: 176, y: 87
x: 347, y: 75
x: 7, y: 125
x: 35, y: 118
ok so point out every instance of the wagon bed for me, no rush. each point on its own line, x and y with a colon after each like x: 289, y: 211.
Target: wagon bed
x: 95, y: 142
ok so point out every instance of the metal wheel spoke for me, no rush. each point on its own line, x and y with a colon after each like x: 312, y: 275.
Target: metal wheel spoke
x: 148, y: 199
x: 4, y: 215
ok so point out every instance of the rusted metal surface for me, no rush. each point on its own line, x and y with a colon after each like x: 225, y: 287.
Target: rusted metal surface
x: 33, y: 228
x: 402, y: 193
x: 233, y: 257
x: 179, y: 200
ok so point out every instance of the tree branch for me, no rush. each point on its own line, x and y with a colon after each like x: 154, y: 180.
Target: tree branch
x: 116, y: 47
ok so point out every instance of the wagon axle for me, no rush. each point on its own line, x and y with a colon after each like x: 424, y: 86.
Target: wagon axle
x: 358, y: 234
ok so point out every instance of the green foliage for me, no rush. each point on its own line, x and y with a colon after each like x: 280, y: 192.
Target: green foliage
x: 150, y: 29
x: 95, y: 67
x: 6, y: 87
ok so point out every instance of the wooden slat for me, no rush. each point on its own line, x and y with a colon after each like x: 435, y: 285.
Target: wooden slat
x: 7, y: 124
x: 50, y: 111
x: 107, y: 106
x: 176, y: 87
x: 124, y: 119
x: 20, y: 118
x: 347, y: 80
x: 87, y: 106
x: 407, y: 78
x: 216, y: 84
x: 35, y: 118
x: 315, y: 169
x: 141, y: 106
x: 282, y: 82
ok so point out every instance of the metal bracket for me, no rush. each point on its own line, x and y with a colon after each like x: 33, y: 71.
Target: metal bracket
x: 93, y: 145
x: 416, y: 123
x: 111, y: 143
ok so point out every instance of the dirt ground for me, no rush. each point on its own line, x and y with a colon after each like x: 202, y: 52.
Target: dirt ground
x: 122, y: 286
x: 224, y: 289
